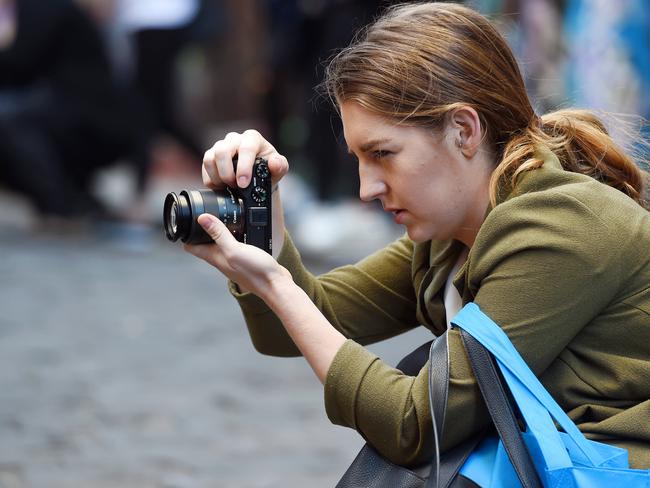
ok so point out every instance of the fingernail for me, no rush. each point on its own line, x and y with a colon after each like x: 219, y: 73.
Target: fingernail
x: 243, y: 181
x: 206, y: 221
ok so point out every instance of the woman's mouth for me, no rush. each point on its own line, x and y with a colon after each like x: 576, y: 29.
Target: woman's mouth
x: 398, y: 215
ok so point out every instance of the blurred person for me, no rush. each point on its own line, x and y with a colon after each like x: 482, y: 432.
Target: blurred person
x: 538, y: 220
x: 61, y: 115
x: 157, y: 33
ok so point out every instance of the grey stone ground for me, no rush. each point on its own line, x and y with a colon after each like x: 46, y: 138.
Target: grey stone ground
x: 125, y: 363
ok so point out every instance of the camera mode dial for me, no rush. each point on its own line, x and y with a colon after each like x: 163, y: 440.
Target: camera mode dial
x: 262, y: 171
x: 259, y: 194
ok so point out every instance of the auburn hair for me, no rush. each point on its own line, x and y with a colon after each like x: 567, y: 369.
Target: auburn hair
x: 418, y: 62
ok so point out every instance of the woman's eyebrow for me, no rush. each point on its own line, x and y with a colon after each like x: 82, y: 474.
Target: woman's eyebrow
x: 367, y: 146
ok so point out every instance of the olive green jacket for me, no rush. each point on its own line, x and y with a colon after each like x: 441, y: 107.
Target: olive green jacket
x: 562, y: 264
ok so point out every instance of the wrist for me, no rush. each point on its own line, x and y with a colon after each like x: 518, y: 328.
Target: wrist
x: 278, y: 285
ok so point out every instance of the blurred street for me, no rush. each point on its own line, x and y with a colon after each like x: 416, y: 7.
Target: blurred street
x: 124, y: 362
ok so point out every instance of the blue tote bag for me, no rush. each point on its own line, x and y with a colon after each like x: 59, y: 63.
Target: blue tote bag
x: 562, y: 459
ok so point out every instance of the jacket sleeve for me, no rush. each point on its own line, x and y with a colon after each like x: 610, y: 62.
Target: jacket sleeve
x: 542, y: 267
x: 368, y: 302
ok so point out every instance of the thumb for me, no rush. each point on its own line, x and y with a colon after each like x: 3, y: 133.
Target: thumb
x: 215, y: 229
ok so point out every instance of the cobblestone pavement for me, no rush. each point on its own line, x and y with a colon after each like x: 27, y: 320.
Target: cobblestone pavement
x: 125, y: 363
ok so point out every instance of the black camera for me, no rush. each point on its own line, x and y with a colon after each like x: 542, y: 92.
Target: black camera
x: 245, y: 211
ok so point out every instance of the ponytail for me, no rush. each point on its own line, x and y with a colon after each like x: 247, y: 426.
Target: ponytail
x: 582, y: 144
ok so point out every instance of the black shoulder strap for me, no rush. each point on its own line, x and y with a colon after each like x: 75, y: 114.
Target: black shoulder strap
x: 438, y: 389
x: 444, y: 467
x: 501, y: 411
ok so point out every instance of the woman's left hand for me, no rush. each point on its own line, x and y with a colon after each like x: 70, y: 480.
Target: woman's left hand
x: 256, y: 271
x: 250, y: 267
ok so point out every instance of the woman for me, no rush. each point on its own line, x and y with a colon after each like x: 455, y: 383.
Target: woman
x: 540, y: 221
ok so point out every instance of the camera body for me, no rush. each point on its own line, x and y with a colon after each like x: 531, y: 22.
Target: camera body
x: 246, y: 212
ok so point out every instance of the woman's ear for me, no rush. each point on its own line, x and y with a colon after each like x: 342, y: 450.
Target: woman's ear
x: 466, y: 129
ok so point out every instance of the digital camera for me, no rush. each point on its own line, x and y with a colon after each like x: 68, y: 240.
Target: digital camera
x: 246, y: 212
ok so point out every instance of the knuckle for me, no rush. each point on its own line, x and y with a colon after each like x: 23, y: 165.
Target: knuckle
x: 232, y: 135
x: 252, y: 132
x: 220, y: 146
x: 280, y: 163
x: 218, y: 151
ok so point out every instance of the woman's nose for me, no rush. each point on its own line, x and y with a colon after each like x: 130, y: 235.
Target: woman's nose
x: 371, y: 185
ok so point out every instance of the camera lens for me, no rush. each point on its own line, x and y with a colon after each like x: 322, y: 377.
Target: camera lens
x: 176, y: 215
x: 172, y: 215
x: 181, y: 211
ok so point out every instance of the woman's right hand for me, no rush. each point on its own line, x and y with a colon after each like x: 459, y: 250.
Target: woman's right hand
x: 218, y: 170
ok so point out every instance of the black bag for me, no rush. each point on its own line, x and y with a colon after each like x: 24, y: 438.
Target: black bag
x: 371, y: 470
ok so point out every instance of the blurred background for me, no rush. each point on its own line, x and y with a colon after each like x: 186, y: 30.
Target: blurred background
x: 124, y: 361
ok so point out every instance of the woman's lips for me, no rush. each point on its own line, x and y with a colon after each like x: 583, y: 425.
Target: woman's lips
x: 398, y: 215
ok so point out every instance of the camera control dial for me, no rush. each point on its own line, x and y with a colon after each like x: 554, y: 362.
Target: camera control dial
x: 259, y: 194
x: 262, y: 171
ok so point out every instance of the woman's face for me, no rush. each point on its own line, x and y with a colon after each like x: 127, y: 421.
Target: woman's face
x: 420, y: 176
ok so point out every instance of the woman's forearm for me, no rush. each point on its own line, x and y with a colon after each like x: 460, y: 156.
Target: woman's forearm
x: 312, y: 333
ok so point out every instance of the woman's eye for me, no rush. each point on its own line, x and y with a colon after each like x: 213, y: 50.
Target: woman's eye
x: 378, y: 154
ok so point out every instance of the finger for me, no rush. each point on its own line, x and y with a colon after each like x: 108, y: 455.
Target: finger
x: 278, y: 166
x: 210, y: 165
x: 209, y: 168
x: 223, y: 157
x: 207, y: 180
x: 216, y: 254
x: 249, y: 147
x: 218, y: 231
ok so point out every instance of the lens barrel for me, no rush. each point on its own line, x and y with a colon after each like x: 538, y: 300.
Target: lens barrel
x: 181, y: 211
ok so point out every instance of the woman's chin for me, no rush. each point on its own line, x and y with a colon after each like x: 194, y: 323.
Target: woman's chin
x: 419, y: 234
x: 416, y: 235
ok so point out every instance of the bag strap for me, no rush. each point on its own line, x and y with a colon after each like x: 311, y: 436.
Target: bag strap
x: 501, y: 411
x: 444, y: 467
x: 438, y: 389
x: 488, y: 333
